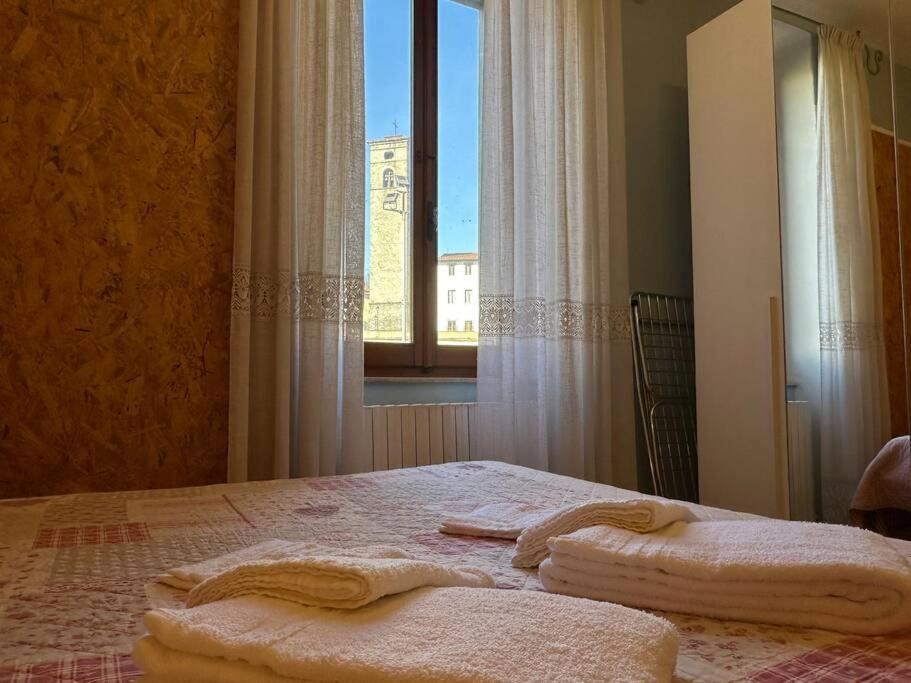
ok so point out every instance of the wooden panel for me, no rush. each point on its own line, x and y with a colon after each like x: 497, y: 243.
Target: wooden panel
x: 893, y: 324
x: 449, y: 433
x: 904, y: 198
x: 394, y: 437
x: 409, y: 452
x: 116, y: 206
x: 422, y: 434
x: 436, y: 434
x: 462, y: 445
x: 380, y: 443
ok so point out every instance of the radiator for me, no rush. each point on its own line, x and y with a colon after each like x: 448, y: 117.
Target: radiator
x: 800, y: 462
x: 414, y: 435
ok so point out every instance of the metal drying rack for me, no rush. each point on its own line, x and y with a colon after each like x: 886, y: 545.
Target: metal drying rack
x: 665, y: 372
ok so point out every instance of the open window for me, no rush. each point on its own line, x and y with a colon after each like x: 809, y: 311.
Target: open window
x: 422, y: 64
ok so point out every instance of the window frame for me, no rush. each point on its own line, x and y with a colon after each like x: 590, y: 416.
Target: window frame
x: 423, y: 356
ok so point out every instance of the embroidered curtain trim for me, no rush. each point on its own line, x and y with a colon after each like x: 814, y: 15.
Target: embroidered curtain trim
x: 309, y: 296
x: 848, y: 336
x: 503, y: 316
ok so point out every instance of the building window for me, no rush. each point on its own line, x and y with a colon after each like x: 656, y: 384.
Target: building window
x: 467, y: 296
x: 421, y: 170
x: 468, y: 269
x: 469, y: 326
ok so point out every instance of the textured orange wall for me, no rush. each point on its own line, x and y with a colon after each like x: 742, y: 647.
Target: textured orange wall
x: 116, y: 194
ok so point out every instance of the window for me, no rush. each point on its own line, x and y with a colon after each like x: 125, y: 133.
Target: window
x: 468, y: 269
x: 467, y: 296
x: 421, y: 73
x: 469, y: 326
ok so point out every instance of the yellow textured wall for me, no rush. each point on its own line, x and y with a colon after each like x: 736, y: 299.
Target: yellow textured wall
x: 116, y: 211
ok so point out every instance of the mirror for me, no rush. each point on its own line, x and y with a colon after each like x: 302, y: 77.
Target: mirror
x: 898, y: 523
x: 844, y: 330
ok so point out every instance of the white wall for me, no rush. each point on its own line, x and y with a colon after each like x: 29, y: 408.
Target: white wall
x: 657, y: 158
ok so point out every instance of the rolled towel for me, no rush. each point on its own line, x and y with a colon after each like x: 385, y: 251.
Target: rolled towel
x: 331, y: 581
x: 640, y: 515
x: 790, y: 573
x: 431, y: 634
x: 190, y: 575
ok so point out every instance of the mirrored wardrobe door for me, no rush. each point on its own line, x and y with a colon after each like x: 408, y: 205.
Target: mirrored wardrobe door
x: 901, y: 88
x: 885, y: 495
x: 841, y: 269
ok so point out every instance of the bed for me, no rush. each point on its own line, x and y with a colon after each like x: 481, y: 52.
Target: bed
x: 75, y: 571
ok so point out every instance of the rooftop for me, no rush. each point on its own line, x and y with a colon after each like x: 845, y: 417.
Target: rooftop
x: 390, y: 140
x: 459, y: 256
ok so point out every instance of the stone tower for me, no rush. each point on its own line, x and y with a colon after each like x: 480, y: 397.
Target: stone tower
x: 388, y: 309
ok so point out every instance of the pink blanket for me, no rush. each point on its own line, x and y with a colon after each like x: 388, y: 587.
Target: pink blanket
x: 882, y: 501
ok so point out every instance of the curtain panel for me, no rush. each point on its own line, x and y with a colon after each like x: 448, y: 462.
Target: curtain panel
x: 554, y: 330
x: 296, y: 385
x: 854, y: 419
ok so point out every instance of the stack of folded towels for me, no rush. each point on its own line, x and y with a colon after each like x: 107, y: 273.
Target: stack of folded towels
x: 678, y: 557
x: 532, y: 526
x: 768, y: 571
x: 285, y: 611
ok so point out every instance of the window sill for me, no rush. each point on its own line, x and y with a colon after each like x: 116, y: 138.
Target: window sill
x: 390, y: 391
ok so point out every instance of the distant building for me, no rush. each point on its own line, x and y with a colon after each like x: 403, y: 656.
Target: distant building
x: 457, y: 298
x: 387, y: 307
x: 387, y: 300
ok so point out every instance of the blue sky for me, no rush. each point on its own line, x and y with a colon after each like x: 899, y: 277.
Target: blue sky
x: 387, y: 56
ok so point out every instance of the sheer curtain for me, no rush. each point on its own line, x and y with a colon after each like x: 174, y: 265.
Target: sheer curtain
x: 296, y: 391
x: 552, y: 301
x: 854, y: 421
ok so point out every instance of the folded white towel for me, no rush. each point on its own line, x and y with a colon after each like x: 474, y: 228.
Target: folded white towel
x: 640, y: 515
x: 190, y: 575
x: 791, y: 573
x: 430, y: 634
x: 509, y: 520
x: 340, y: 582
x: 497, y: 520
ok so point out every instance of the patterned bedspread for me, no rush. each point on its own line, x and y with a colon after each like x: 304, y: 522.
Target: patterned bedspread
x: 75, y: 570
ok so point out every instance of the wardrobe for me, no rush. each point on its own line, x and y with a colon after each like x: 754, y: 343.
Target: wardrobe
x: 799, y: 117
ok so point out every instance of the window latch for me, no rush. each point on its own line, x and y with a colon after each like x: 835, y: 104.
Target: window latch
x: 431, y: 221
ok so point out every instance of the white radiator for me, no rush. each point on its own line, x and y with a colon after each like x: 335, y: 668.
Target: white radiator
x: 800, y: 462
x: 414, y: 435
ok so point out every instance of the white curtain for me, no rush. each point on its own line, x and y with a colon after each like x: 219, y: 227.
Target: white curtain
x: 296, y: 391
x: 854, y: 419
x: 547, y: 322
